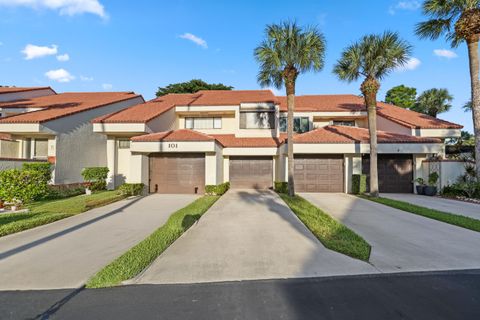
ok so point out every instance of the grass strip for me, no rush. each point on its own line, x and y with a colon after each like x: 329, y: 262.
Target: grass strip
x: 43, y: 212
x: 447, y: 217
x: 330, y: 232
x: 135, y: 260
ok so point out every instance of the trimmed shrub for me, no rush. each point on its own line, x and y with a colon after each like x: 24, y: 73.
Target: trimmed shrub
x: 44, y: 167
x: 22, y: 186
x: 96, y: 177
x: 359, y: 183
x: 280, y: 186
x: 131, y: 189
x: 55, y: 192
x: 217, y: 190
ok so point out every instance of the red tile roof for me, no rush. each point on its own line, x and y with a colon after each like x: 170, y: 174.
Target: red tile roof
x: 147, y: 111
x: 21, y: 89
x: 349, y: 102
x: 61, y: 105
x: 174, y: 135
x: 230, y: 141
x: 344, y: 134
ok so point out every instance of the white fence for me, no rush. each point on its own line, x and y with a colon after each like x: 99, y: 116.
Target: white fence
x: 448, y: 170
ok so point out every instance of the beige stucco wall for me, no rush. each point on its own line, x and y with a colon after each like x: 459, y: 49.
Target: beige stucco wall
x: 139, y: 170
x: 165, y: 122
x: 9, y: 149
x: 384, y: 124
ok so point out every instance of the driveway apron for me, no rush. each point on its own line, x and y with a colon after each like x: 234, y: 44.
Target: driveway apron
x: 246, y: 235
x: 64, y: 254
x: 402, y: 241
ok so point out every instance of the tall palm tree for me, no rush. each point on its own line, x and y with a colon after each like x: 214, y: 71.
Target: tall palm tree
x: 458, y: 21
x: 433, y: 102
x: 287, y: 51
x: 372, y: 58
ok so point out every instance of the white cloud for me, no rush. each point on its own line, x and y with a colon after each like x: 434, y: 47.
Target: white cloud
x: 411, y: 64
x: 63, y: 57
x: 404, y: 5
x: 59, y: 75
x: 445, y: 53
x: 32, y: 51
x: 64, y: 7
x: 107, y: 86
x: 197, y: 40
x: 85, y: 78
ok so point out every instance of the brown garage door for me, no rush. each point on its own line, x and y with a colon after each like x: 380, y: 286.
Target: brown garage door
x: 251, y: 172
x: 177, y: 173
x: 318, y: 173
x: 395, y: 172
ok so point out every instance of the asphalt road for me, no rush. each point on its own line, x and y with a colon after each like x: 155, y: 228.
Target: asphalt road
x: 440, y: 295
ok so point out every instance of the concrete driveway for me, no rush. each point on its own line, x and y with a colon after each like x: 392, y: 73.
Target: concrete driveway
x: 248, y: 235
x: 447, y: 205
x: 402, y: 241
x: 64, y: 254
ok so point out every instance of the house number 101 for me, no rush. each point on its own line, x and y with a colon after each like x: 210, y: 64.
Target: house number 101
x: 173, y: 145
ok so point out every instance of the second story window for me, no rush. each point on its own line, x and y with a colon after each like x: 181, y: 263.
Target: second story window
x: 257, y: 120
x: 300, y: 124
x: 348, y: 123
x: 203, y: 123
x: 123, y: 144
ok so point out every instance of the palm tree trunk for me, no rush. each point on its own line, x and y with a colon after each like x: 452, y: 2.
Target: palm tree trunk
x: 474, y: 78
x: 369, y: 89
x: 291, y: 108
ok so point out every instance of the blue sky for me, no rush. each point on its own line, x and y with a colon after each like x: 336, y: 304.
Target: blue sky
x: 140, y: 45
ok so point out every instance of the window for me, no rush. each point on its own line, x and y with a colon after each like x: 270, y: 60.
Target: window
x: 300, y: 124
x: 257, y: 120
x: 348, y: 123
x: 124, y: 144
x: 203, y: 123
x: 40, y: 149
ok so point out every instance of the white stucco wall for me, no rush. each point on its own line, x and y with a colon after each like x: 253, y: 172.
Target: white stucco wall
x: 449, y: 171
x: 139, y: 169
x: 165, y: 122
x: 77, y: 145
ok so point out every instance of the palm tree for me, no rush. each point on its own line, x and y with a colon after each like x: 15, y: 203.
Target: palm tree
x: 467, y: 107
x: 287, y: 51
x: 458, y: 21
x: 433, y: 102
x: 372, y: 58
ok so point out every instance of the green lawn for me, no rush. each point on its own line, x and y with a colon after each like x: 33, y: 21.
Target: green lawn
x: 455, y: 219
x: 43, y: 212
x: 331, y: 233
x: 135, y: 260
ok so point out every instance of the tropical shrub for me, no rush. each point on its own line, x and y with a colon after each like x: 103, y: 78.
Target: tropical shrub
x: 217, y: 190
x: 131, y: 189
x: 96, y: 177
x: 433, y: 178
x: 22, y: 186
x: 44, y: 167
x: 280, y: 186
x: 359, y: 183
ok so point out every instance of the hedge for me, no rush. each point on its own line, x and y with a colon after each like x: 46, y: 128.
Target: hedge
x: 96, y: 177
x: 44, y: 167
x: 359, y: 183
x: 280, y: 186
x: 132, y: 189
x: 217, y: 190
x: 22, y: 186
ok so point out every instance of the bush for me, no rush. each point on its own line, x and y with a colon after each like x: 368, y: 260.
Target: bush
x: 469, y: 189
x: 96, y: 177
x: 280, y: 186
x: 22, y: 186
x: 55, y: 192
x: 131, y: 189
x: 217, y: 190
x: 359, y: 183
x: 44, y: 167
x: 433, y: 179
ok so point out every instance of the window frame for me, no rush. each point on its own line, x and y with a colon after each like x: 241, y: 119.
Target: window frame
x: 294, y: 119
x: 215, y: 122
x: 270, y: 121
x: 120, y: 143
x: 343, y: 123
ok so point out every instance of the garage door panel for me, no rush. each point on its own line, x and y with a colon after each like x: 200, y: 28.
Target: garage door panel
x: 251, y: 172
x: 321, y: 173
x: 395, y: 172
x: 177, y: 173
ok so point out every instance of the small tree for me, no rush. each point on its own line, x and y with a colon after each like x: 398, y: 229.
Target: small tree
x: 191, y: 86
x: 401, y: 96
x: 22, y: 186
